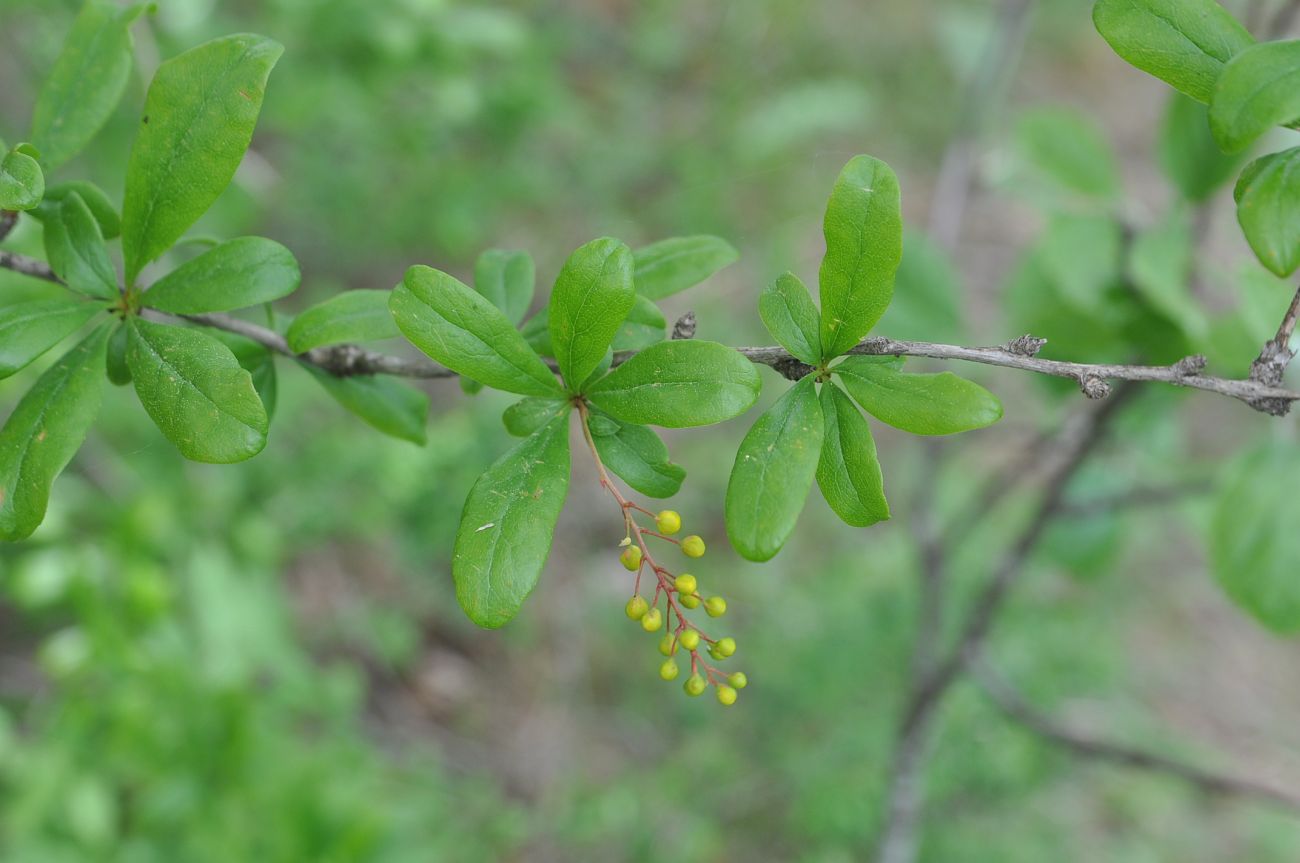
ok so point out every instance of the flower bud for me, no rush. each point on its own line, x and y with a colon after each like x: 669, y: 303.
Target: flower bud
x: 690, y: 639
x: 668, y: 522
x: 738, y: 680
x: 631, y: 558
x: 668, y: 645
x: 726, y: 696
x: 685, y: 583
x: 652, y: 621
x: 669, y: 670
x: 693, y: 546
x: 695, y: 685
x: 636, y: 607
x: 725, y: 646
x: 689, y: 600
x: 716, y: 606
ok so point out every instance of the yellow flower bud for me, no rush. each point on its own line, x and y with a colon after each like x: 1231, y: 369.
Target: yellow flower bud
x: 690, y: 639
x: 693, y: 546
x: 685, y: 583
x: 668, y: 522
x: 636, y: 607
x: 724, y: 647
x: 716, y: 606
x: 631, y: 558
x: 669, y: 670
x: 652, y: 621
x: 695, y: 685
x: 668, y: 645
x: 738, y: 680
x: 689, y: 600
x: 726, y: 696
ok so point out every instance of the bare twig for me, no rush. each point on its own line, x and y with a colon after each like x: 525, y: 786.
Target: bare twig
x: 1273, y: 360
x: 1011, y: 702
x: 344, y: 360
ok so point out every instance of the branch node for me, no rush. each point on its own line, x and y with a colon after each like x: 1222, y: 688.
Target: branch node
x: 1094, y: 387
x: 685, y: 326
x: 1025, y: 346
x: 792, y: 369
x: 1190, y: 366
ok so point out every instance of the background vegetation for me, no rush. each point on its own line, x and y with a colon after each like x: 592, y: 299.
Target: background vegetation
x: 265, y: 661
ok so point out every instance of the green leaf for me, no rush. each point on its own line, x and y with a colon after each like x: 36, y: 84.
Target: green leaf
x: 864, y: 244
x: 1083, y: 255
x: 196, y: 392
x: 537, y: 332
x: 671, y: 266
x: 592, y: 296
x: 110, y: 223
x: 848, y: 472
x: 790, y: 315
x: 1259, y: 89
x: 1268, y: 208
x: 528, y: 415
x: 1254, y: 554
x: 44, y: 432
x: 773, y: 473
x: 119, y: 373
x: 198, y: 120
x: 75, y: 248
x: 926, y: 304
x: 600, y: 424
x: 86, y: 83
x: 461, y: 329
x: 935, y: 404
x: 1067, y: 147
x: 506, y: 279
x: 257, y: 360
x: 1160, y: 270
x: 508, y: 523
x: 29, y: 329
x: 247, y: 271
x: 644, y: 325
x: 677, y: 384
x: 1184, y: 43
x: 637, y: 455
x: 352, y: 316
x: 22, y: 184
x: 1188, y: 152
x: 391, y: 407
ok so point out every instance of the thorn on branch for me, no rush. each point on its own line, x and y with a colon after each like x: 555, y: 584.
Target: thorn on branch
x: 1025, y: 346
x: 792, y: 369
x: 685, y: 326
x: 1094, y: 387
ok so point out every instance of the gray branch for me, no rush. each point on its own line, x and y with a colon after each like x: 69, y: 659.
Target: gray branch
x: 1012, y: 703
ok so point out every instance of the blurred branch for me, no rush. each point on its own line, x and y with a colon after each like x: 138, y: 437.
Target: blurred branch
x: 346, y: 360
x: 1136, y: 498
x: 1001, y: 692
x: 1273, y: 359
x: 1285, y: 20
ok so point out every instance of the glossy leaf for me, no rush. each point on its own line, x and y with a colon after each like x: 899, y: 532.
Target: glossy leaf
x: 848, y: 472
x: 198, y: 120
x: 790, y: 315
x: 507, y: 280
x: 1187, y: 150
x: 461, y: 329
x: 44, y: 432
x: 1255, y: 558
x: 381, y: 401
x: 592, y: 296
x: 196, y: 392
x: 773, y: 473
x: 75, y: 248
x: 864, y: 244
x: 644, y: 325
x: 28, y: 330
x: 110, y: 223
x: 247, y: 271
x: 22, y: 183
x: 1184, y: 43
x: 119, y: 373
x: 671, y: 266
x: 636, y: 455
x: 528, y: 415
x: 256, y: 359
x: 679, y: 384
x: 86, y: 83
x: 1259, y: 89
x: 508, y: 523
x: 352, y: 316
x: 1067, y: 147
x: 1268, y: 208
x: 926, y: 404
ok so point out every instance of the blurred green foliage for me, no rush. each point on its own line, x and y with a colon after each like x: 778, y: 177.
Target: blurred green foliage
x: 266, y: 662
